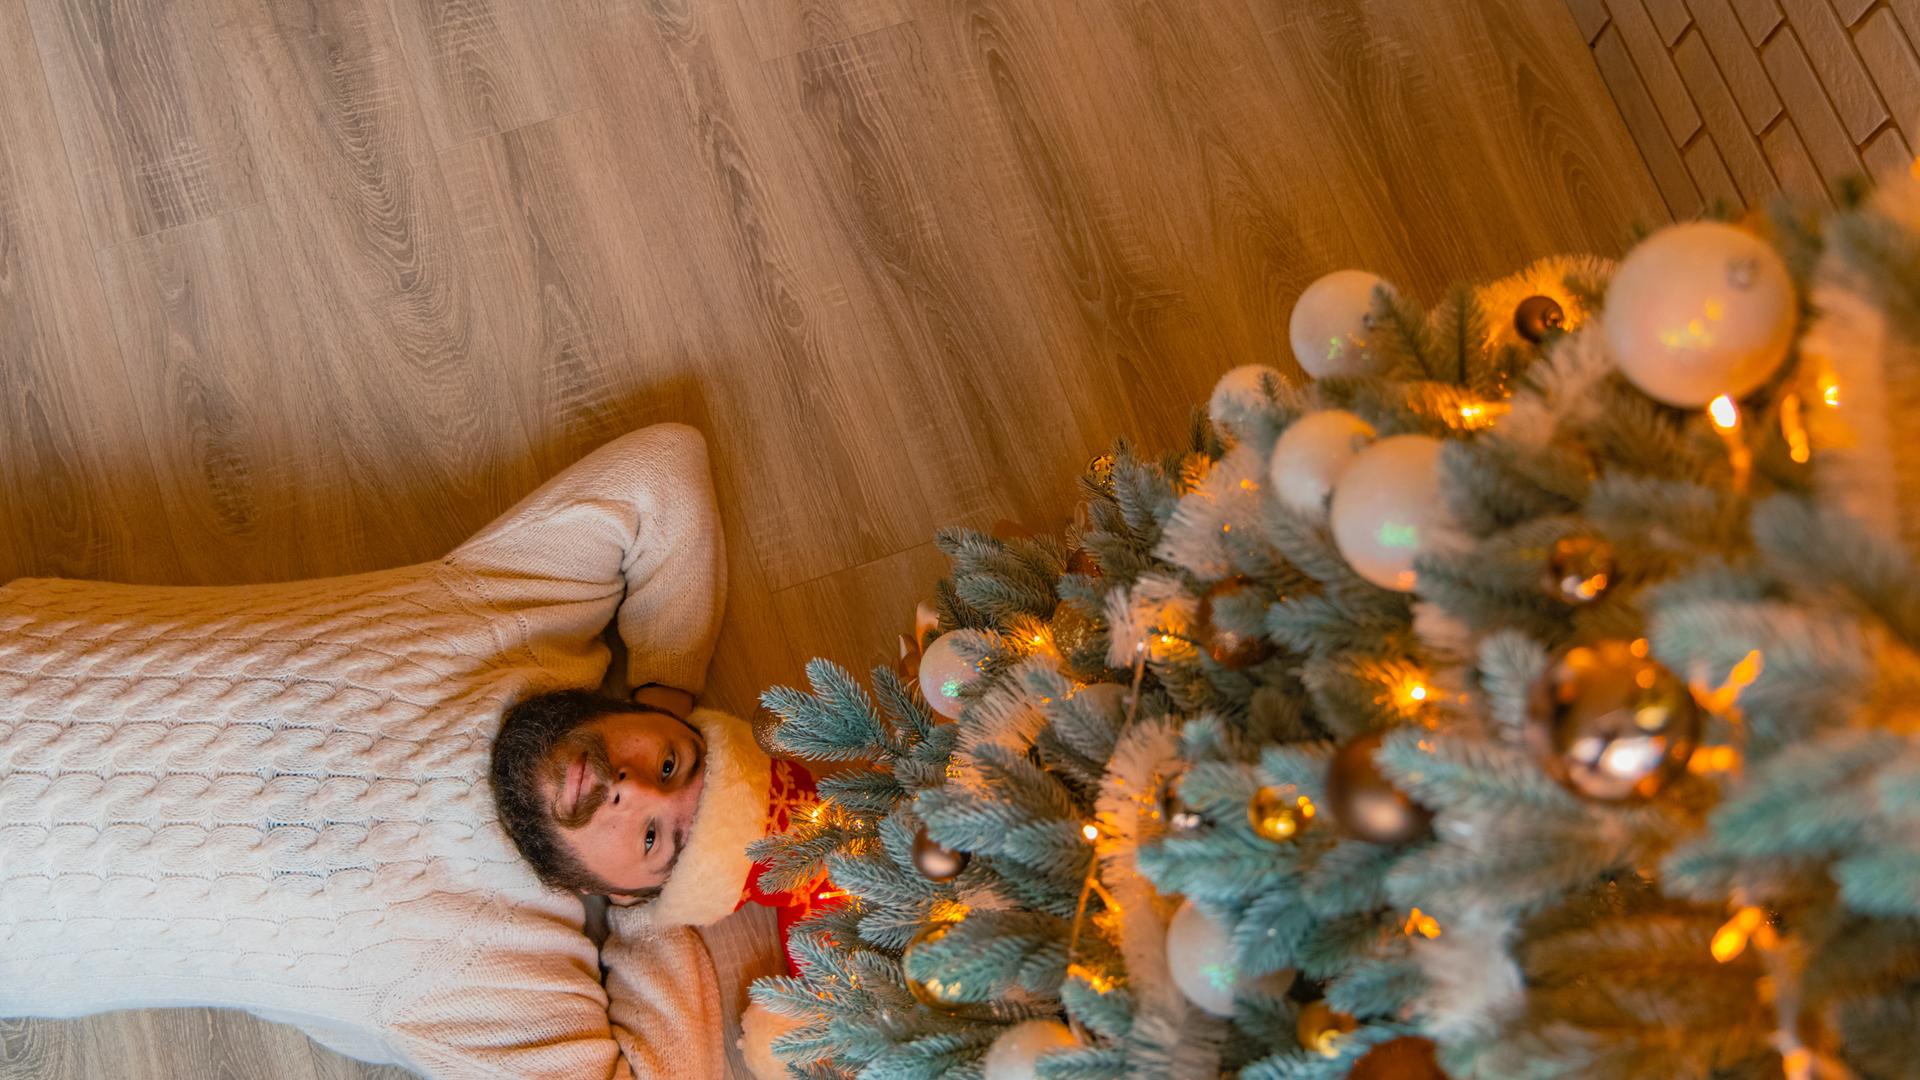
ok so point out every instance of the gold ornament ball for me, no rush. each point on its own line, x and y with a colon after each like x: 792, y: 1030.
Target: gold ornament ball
x: 1228, y: 648
x: 1320, y: 1028
x: 1611, y: 724
x: 932, y: 994
x: 934, y: 862
x: 1101, y: 469
x: 1408, y: 1057
x: 1537, y: 317
x: 1365, y: 803
x: 1579, y: 568
x: 1278, y: 812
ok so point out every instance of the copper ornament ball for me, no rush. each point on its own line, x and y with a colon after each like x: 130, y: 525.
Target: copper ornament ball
x: 1579, y: 568
x: 764, y: 723
x: 1611, y: 724
x: 1365, y: 803
x: 1229, y: 648
x: 1537, y: 317
x: 1408, y: 1057
x: 1081, y: 561
x: 934, y: 862
x: 1278, y: 812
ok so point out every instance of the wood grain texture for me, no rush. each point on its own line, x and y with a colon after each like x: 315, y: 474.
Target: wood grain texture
x: 74, y: 475
x: 487, y: 65
x: 784, y: 27
x: 147, y: 113
x: 908, y: 263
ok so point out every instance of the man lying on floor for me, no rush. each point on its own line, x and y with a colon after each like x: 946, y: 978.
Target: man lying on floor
x: 276, y: 797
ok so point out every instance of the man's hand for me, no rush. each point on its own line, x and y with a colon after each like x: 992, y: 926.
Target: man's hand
x: 665, y: 698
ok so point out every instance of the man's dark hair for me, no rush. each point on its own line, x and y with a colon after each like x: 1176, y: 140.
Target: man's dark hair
x: 527, y: 732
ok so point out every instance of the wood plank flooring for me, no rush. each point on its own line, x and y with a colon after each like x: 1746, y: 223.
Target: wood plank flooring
x: 303, y: 287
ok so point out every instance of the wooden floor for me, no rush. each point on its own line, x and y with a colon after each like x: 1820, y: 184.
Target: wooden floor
x: 305, y: 287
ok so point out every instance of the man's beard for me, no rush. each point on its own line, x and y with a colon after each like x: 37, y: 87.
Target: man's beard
x: 594, y: 786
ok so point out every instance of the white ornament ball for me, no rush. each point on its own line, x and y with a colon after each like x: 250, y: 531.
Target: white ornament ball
x: 1697, y: 311
x: 1200, y: 958
x: 1388, y: 508
x: 1016, y: 1053
x: 1238, y: 398
x: 945, y: 670
x: 1311, y: 456
x: 759, y: 1026
x: 1332, y: 325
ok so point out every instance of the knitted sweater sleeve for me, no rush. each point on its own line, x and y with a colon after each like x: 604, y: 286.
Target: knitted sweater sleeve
x: 663, y: 1002
x: 529, y: 1007
x: 630, y: 533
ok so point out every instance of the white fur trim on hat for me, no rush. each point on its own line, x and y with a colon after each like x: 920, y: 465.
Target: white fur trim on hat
x: 709, y: 875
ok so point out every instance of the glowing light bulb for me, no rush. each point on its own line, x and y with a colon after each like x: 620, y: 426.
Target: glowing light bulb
x: 1090, y: 832
x: 1725, y: 414
x: 1731, y: 940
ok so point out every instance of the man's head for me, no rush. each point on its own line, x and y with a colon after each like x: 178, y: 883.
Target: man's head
x: 597, y: 794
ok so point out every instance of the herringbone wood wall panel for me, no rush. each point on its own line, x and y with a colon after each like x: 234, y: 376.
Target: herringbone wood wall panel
x: 1733, y: 101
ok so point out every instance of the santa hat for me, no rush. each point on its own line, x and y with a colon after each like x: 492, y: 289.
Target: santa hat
x: 709, y: 875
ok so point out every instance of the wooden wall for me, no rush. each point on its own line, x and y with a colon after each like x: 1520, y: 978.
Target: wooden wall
x: 1735, y: 100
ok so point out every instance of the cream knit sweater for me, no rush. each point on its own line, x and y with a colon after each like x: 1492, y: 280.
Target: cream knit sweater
x: 274, y: 797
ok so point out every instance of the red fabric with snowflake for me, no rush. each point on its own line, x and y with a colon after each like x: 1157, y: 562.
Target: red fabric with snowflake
x: 792, y: 792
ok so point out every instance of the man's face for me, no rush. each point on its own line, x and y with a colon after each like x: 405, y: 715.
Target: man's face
x: 622, y: 789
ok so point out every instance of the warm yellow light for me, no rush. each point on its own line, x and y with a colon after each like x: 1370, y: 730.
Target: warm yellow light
x: 1714, y: 759
x: 1795, y: 430
x: 1830, y: 391
x: 1412, y: 692
x: 1101, y: 984
x: 1419, y: 922
x: 1248, y: 485
x: 1725, y: 414
x: 1090, y: 832
x: 1720, y: 700
x: 1639, y: 648
x: 1731, y: 940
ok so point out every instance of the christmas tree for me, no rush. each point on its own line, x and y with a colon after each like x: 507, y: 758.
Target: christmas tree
x: 1527, y: 693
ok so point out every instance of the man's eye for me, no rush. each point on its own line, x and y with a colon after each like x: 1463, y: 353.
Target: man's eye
x: 649, y: 839
x: 666, y: 769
